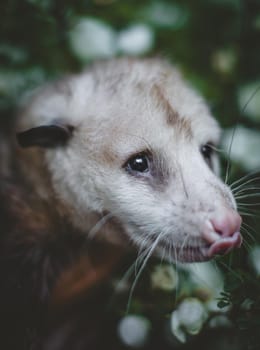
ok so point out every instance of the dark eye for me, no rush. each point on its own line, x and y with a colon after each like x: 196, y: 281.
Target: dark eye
x: 207, y: 152
x: 139, y: 163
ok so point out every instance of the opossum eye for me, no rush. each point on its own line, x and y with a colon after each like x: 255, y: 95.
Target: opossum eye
x: 139, y: 163
x: 207, y: 152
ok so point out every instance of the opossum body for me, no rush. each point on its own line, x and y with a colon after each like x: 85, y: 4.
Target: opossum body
x: 122, y: 153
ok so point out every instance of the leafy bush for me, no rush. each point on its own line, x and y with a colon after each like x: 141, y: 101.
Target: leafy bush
x: 216, y: 44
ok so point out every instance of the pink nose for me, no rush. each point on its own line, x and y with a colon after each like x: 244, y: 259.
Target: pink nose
x: 221, y: 232
x: 227, y: 224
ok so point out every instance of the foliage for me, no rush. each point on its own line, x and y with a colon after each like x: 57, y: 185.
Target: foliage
x: 216, y: 44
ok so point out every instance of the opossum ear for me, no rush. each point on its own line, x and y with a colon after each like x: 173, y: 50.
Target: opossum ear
x: 46, y: 136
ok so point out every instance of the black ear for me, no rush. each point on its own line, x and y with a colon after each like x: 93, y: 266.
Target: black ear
x: 47, y: 136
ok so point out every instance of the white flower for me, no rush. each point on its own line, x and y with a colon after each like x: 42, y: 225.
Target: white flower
x: 188, y: 318
x: 133, y: 330
x: 165, y: 14
x: 91, y: 38
x: 177, y: 329
x: 207, y: 276
x: 245, y: 145
x: 249, y: 99
x: 135, y: 40
x: 192, y: 315
x: 220, y: 321
x: 164, y: 277
x: 254, y: 258
x: 224, y: 61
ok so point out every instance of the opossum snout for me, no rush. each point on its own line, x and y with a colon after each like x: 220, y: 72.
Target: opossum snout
x: 221, y: 232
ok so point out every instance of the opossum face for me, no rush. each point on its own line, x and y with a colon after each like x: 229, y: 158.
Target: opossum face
x: 145, y: 154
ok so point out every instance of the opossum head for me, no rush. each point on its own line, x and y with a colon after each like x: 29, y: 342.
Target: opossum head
x: 131, y: 139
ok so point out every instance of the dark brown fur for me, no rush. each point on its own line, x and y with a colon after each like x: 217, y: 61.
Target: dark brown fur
x: 172, y: 117
x: 46, y: 265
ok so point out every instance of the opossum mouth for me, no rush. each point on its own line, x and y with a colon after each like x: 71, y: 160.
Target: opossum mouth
x: 224, y: 245
x: 191, y: 254
x: 206, y: 252
x: 188, y: 253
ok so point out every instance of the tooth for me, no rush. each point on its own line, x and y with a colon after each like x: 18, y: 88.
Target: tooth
x: 211, y: 236
x: 214, y: 236
x: 209, y: 225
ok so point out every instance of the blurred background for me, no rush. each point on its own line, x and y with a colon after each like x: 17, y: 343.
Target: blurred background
x: 216, y: 44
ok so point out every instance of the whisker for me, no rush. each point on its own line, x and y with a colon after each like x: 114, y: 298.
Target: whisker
x: 233, y: 133
x: 247, y: 214
x: 140, y: 258
x: 245, y: 230
x: 163, y: 255
x: 186, y: 239
x: 250, y: 98
x: 246, y: 190
x: 99, y: 225
x: 174, y: 264
x: 234, y: 189
x: 141, y: 270
x: 172, y: 252
x: 244, y: 177
x: 248, y: 210
x: 216, y: 149
x: 247, y: 246
x: 230, y: 270
x: 243, y: 204
x: 229, y: 154
x: 126, y: 275
x: 250, y: 195
x: 250, y: 227
x: 195, y: 268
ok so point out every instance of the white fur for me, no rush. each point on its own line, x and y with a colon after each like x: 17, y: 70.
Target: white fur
x: 114, y: 111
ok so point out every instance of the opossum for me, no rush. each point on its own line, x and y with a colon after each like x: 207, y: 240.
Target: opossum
x: 122, y: 155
